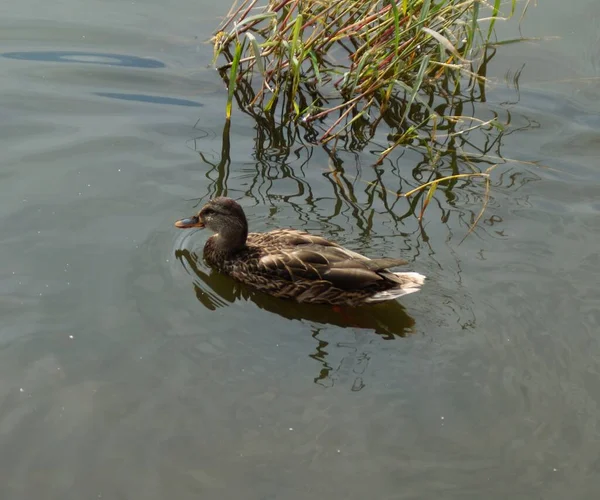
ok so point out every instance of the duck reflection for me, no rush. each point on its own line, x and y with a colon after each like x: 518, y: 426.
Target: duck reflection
x: 388, y: 320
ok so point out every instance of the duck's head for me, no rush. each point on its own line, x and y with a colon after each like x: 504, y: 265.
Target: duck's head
x: 223, y: 216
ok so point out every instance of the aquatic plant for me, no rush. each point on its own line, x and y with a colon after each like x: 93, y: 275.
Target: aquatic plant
x: 352, y: 60
x: 348, y: 70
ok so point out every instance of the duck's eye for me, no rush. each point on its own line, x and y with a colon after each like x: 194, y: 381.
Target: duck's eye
x: 208, y: 211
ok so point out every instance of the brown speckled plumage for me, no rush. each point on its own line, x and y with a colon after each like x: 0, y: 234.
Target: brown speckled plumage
x: 295, y: 264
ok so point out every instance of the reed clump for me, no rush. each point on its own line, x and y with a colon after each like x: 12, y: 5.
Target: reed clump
x: 345, y: 64
x: 369, y: 73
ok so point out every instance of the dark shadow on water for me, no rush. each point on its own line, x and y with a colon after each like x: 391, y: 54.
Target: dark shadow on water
x: 154, y: 99
x: 86, y: 58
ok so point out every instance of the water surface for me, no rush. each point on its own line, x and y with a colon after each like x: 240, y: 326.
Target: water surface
x: 129, y: 370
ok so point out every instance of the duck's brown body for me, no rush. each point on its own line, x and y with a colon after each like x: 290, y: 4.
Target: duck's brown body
x: 296, y: 265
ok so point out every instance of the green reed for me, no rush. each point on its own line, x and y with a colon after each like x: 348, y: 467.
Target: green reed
x: 361, y: 51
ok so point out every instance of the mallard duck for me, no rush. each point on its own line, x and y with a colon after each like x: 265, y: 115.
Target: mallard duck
x: 293, y: 264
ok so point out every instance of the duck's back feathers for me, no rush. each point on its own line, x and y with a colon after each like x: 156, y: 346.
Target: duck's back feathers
x: 298, y: 265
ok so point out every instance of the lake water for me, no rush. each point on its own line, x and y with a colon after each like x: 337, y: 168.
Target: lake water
x: 128, y: 370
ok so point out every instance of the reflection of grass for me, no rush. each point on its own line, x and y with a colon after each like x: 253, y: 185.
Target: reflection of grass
x: 282, y: 172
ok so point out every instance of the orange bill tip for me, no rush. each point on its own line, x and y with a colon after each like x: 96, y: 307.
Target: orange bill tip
x: 189, y: 222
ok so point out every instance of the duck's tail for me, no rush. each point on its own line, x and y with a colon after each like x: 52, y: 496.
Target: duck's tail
x: 408, y: 282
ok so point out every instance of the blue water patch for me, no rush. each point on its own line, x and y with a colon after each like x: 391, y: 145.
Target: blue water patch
x: 155, y: 99
x: 86, y: 58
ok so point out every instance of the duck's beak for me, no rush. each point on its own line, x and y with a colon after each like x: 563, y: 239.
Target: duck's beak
x: 189, y: 222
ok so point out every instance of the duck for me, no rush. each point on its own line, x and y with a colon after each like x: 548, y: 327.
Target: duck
x: 294, y: 264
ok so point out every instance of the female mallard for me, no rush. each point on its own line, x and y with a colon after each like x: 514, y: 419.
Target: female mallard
x: 294, y: 264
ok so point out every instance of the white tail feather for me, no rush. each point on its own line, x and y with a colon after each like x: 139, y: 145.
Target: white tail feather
x: 411, y: 282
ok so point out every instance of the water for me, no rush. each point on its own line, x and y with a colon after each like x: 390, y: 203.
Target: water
x: 129, y: 370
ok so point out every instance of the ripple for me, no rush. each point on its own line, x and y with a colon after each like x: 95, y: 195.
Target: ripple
x: 86, y: 58
x: 154, y: 99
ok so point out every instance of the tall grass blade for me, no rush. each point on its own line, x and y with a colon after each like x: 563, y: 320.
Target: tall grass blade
x: 252, y: 19
x: 396, y: 16
x: 443, y: 41
x: 495, y: 10
x: 416, y: 87
x: 315, y: 65
x: 430, y: 193
x: 424, y: 11
x: 256, y: 53
x: 233, y: 75
x: 472, y: 31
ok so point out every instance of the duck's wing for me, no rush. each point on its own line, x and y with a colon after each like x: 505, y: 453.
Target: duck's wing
x: 302, y: 256
x: 289, y: 238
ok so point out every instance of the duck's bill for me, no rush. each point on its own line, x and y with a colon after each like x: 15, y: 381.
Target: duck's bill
x: 189, y: 222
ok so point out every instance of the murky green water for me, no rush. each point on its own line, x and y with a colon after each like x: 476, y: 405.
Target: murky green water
x: 128, y: 370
